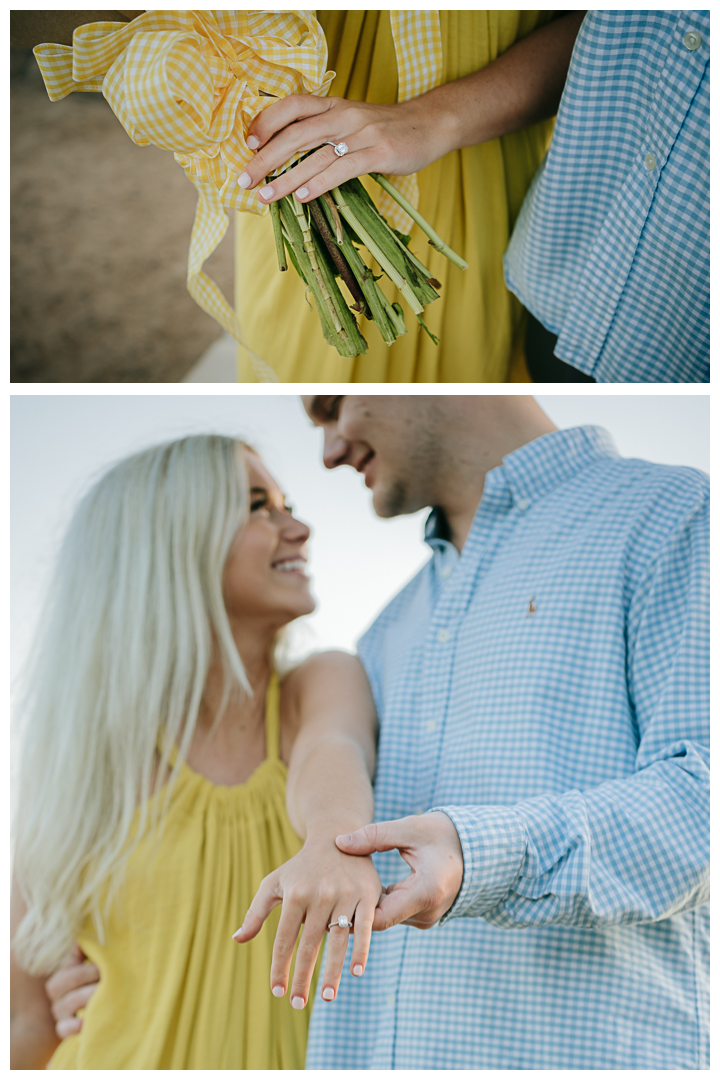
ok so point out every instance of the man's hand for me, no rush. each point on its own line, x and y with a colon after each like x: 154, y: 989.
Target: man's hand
x: 69, y: 989
x: 430, y: 846
x: 314, y: 888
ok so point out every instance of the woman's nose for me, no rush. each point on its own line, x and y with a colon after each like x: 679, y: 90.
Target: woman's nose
x: 296, y: 530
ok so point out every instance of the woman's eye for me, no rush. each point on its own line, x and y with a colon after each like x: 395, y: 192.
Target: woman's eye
x: 258, y: 504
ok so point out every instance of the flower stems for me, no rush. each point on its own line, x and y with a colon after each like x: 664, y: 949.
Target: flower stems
x: 322, y: 242
x: 408, y: 207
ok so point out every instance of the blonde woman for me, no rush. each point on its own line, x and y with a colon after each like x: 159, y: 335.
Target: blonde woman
x: 153, y: 782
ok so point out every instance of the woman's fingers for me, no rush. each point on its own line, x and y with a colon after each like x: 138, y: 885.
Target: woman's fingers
x: 312, y: 178
x: 338, y: 938
x: 268, y: 896
x: 306, y: 957
x: 285, y: 938
x: 286, y: 111
x: 362, y: 936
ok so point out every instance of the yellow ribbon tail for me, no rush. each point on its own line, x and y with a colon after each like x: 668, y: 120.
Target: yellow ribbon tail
x: 209, y: 227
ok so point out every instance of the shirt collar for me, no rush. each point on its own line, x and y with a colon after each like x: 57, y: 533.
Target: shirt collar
x: 537, y: 468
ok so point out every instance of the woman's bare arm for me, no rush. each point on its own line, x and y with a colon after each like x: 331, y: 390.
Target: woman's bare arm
x: 517, y: 89
x: 330, y: 726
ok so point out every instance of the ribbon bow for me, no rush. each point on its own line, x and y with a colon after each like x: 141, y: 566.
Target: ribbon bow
x: 193, y: 81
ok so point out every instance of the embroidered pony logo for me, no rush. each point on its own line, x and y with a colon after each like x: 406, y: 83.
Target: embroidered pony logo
x: 532, y: 608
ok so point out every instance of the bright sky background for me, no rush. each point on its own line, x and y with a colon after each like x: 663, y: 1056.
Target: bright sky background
x: 60, y: 444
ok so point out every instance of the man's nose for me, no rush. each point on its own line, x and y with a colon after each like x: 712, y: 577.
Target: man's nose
x: 335, y: 449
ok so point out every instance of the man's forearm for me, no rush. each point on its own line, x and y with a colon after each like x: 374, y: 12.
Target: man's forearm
x: 31, y: 28
x: 521, y: 87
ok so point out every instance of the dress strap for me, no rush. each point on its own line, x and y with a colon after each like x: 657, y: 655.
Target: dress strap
x: 272, y: 719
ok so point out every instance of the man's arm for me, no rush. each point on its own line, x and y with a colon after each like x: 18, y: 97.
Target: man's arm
x: 31, y: 28
x: 631, y: 850
x: 517, y: 89
x: 32, y: 1028
x: 328, y: 709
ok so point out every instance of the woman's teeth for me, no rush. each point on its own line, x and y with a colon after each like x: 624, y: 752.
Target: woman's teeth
x: 290, y: 565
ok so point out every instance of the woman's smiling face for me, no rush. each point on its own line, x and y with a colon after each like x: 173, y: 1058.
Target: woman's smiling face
x: 265, y: 578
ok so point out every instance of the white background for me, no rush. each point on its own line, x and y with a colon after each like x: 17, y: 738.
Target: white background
x: 60, y: 444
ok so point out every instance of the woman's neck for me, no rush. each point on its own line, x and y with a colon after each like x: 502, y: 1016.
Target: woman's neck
x: 228, y: 746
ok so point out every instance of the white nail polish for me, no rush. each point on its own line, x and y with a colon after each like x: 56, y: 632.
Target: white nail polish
x: 244, y: 180
x: 297, y: 1003
x: 328, y: 993
x: 278, y: 991
x: 266, y: 192
x: 357, y: 970
x: 302, y: 192
x: 252, y: 142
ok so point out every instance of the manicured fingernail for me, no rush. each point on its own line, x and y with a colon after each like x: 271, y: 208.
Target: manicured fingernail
x: 252, y: 142
x: 297, y: 1003
x: 347, y: 839
x: 278, y: 991
x: 244, y: 180
x: 238, y: 932
x: 302, y: 192
x: 357, y: 970
x: 266, y: 192
x: 328, y: 993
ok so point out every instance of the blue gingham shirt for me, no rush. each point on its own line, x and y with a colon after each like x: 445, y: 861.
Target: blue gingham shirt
x: 611, y: 248
x: 548, y: 689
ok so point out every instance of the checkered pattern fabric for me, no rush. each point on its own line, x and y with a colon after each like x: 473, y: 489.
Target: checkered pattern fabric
x: 548, y: 689
x: 418, y: 50
x: 192, y: 82
x: 611, y: 249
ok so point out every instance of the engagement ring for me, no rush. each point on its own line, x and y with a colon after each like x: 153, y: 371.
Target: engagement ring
x: 342, y: 920
x: 340, y: 148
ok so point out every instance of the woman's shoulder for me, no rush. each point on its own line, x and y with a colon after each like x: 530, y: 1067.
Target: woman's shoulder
x: 303, y: 687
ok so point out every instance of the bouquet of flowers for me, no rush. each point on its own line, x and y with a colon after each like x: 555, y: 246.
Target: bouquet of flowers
x: 322, y: 238
x: 192, y: 82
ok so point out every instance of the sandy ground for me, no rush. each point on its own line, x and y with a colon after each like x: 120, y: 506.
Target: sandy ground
x: 99, y: 238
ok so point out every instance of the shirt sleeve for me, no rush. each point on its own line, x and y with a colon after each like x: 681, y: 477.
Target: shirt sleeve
x: 634, y: 849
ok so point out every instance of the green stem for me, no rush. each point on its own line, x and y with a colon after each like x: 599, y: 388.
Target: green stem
x: 398, y: 281
x: 277, y: 229
x: 435, y: 241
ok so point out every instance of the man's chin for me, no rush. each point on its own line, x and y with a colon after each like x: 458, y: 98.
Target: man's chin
x: 389, y: 502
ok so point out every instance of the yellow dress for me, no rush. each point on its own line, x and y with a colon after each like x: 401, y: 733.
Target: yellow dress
x: 471, y: 197
x: 175, y: 991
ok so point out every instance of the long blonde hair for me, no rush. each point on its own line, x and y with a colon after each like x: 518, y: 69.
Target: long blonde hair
x: 135, y: 612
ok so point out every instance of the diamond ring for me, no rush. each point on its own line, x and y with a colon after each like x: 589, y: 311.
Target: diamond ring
x: 341, y: 148
x: 342, y: 921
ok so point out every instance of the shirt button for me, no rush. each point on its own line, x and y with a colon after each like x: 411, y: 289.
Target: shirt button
x: 692, y: 40
x: 446, y: 571
x: 390, y: 1000
x: 523, y: 504
x: 650, y: 162
x: 430, y: 726
x: 443, y: 636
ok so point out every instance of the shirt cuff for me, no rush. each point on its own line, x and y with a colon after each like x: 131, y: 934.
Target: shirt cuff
x: 494, y: 846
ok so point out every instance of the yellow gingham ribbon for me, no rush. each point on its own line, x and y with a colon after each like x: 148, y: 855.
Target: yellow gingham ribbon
x: 418, y: 49
x: 193, y: 81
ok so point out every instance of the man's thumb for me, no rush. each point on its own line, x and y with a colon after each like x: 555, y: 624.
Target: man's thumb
x: 383, y: 837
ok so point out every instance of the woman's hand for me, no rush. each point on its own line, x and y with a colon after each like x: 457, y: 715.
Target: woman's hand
x: 392, y: 139
x: 315, y: 887
x: 69, y: 989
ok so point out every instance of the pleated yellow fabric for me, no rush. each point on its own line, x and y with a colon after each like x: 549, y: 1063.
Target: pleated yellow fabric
x: 175, y: 991
x: 471, y: 197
